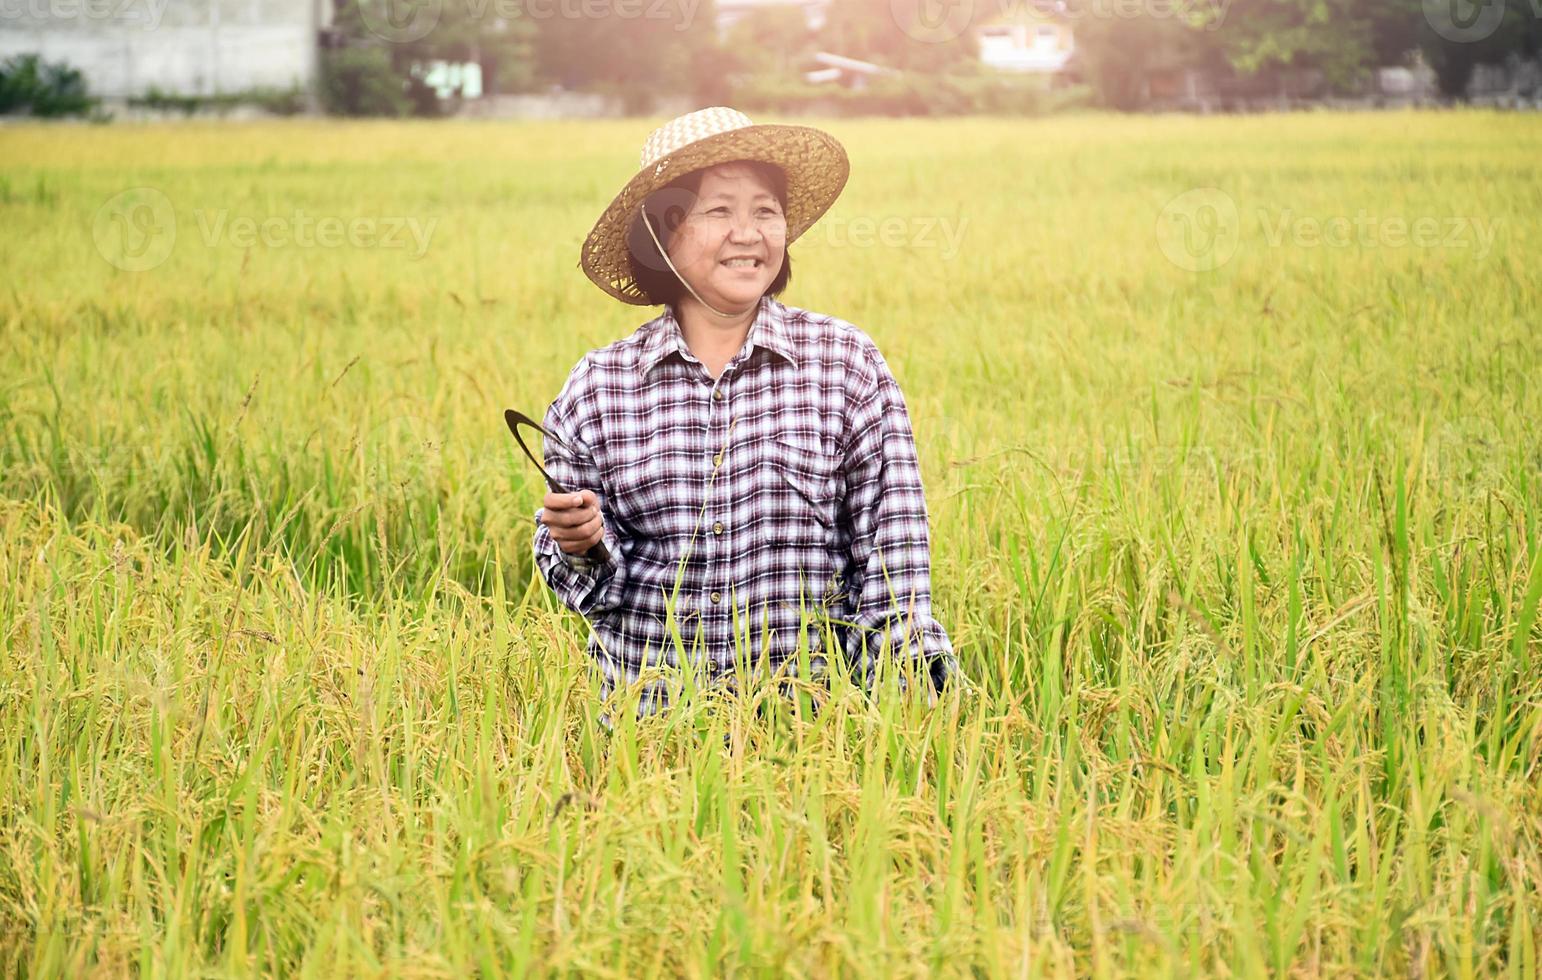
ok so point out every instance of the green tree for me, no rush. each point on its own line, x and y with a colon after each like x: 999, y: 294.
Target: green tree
x: 1457, y: 38
x: 1332, y: 36
x: 1115, y: 55
x: 42, y: 88
x: 636, y: 58
x: 1394, y: 29
x: 383, y: 53
x: 771, y: 41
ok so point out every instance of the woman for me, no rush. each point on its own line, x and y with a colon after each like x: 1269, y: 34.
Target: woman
x: 748, y: 466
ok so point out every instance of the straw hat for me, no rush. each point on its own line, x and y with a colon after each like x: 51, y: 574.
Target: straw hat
x: 814, y: 161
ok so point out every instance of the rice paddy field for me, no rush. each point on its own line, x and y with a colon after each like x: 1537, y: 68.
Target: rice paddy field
x: 1232, y: 436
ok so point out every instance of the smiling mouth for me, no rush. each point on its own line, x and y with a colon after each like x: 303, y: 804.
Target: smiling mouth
x: 741, y: 264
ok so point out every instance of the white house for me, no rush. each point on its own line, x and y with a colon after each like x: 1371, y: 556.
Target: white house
x: 182, y: 47
x: 1020, y: 40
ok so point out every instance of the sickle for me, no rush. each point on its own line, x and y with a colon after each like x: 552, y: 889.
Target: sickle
x: 599, y: 553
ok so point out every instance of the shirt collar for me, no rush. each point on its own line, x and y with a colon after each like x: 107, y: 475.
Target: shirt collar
x: 664, y: 336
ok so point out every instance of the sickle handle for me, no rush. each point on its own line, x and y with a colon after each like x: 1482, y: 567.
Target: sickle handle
x: 599, y: 553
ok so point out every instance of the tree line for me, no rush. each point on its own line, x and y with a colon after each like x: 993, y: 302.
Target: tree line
x: 638, y: 50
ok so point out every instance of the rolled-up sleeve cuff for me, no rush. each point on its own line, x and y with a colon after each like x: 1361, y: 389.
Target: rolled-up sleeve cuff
x: 578, y: 581
x: 925, y: 644
x: 588, y: 566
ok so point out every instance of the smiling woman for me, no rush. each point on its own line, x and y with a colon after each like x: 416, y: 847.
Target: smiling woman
x: 713, y: 196
x: 749, y: 466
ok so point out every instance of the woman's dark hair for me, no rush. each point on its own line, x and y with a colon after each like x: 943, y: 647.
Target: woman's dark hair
x: 667, y: 207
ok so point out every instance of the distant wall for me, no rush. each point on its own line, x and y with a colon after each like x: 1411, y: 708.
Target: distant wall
x: 184, y: 47
x: 562, y: 105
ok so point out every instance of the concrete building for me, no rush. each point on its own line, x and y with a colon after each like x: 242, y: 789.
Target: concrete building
x: 1021, y: 40
x: 181, y: 47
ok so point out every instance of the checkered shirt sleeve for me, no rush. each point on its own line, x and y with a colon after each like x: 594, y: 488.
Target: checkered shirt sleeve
x: 891, y: 545
x: 588, y: 588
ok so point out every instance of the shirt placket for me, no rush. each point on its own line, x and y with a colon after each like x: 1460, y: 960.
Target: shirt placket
x: 713, y: 540
x: 716, y: 533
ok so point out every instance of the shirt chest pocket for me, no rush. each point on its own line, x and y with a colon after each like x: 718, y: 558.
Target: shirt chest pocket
x: 796, y: 492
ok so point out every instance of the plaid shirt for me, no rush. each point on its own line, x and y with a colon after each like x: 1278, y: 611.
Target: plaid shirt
x: 784, y: 495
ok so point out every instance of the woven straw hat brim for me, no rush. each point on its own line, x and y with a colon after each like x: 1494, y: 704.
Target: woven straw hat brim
x: 814, y: 161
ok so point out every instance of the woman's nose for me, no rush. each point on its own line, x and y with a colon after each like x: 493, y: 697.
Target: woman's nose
x: 743, y: 228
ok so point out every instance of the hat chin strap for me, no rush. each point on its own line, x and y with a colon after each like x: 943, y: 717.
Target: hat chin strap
x: 648, y: 223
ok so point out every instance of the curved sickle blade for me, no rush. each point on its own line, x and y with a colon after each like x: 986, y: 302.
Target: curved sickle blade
x: 599, y: 553
x: 515, y: 420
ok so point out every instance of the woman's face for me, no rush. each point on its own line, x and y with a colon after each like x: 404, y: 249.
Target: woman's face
x: 735, y: 216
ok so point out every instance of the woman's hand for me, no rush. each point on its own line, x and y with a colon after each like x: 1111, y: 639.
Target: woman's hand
x: 574, y: 520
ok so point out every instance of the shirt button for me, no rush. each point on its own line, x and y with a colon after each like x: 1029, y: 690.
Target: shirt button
x: 717, y: 528
x: 716, y: 596
x: 717, y: 395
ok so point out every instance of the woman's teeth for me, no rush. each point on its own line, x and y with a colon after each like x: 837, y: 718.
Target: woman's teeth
x: 742, y: 263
